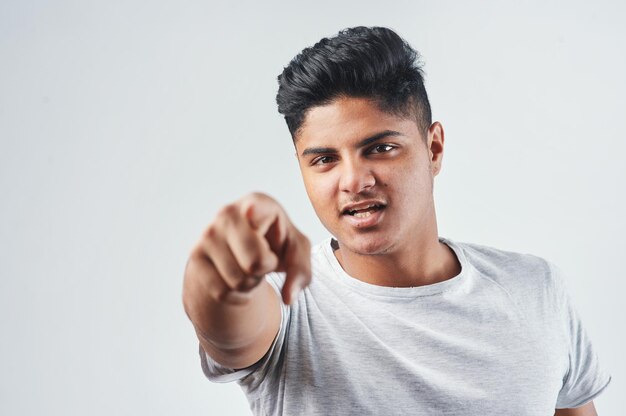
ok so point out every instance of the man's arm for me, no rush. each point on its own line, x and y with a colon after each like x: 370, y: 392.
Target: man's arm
x: 234, y: 310
x: 235, y: 335
x: 585, y: 410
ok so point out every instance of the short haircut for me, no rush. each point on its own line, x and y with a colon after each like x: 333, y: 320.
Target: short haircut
x: 362, y: 62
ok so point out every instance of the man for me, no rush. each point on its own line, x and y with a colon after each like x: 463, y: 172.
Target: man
x: 386, y: 317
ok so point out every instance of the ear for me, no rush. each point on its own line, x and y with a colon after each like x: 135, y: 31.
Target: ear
x: 435, y: 147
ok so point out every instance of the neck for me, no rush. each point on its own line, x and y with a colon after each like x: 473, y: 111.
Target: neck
x: 421, y: 262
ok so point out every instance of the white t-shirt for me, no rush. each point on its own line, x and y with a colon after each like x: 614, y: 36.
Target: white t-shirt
x: 500, y: 338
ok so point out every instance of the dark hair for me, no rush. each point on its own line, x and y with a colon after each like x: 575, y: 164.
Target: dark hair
x: 368, y: 62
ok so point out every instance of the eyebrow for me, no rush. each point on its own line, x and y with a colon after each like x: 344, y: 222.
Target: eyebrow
x: 362, y: 143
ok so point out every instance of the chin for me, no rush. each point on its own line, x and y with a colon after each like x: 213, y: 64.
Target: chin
x: 367, y: 245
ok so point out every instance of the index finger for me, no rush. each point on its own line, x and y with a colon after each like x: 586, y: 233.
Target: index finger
x: 297, y: 265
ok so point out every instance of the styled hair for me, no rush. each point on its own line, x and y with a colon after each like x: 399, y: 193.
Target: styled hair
x: 360, y: 62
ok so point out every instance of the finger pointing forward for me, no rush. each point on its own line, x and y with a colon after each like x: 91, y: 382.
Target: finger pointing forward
x: 292, y: 248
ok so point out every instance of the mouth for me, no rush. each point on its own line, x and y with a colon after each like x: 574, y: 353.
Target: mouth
x: 364, y: 215
x: 365, y: 211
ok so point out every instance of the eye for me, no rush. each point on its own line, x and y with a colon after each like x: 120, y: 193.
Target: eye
x: 381, y: 148
x: 322, y: 160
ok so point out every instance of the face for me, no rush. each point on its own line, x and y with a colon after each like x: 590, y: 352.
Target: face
x: 369, y: 174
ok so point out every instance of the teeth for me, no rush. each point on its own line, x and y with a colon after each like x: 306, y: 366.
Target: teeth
x: 365, y: 211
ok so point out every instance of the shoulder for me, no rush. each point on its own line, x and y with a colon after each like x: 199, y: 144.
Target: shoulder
x: 487, y: 258
x: 513, y: 270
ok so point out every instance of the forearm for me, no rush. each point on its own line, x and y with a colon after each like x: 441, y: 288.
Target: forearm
x: 231, y: 333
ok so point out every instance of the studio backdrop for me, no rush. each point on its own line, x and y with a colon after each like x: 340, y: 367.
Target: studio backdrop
x: 126, y: 125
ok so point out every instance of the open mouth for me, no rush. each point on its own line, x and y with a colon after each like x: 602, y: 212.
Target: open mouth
x: 365, y: 211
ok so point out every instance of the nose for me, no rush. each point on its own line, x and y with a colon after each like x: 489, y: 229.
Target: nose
x: 356, y: 177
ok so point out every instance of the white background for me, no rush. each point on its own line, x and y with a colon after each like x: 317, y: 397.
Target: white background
x: 125, y: 125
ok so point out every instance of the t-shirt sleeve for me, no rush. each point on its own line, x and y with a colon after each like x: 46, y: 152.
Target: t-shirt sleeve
x: 250, y: 377
x: 585, y: 378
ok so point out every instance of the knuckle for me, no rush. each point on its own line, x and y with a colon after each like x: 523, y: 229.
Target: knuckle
x: 227, y: 212
x: 252, y: 264
x: 254, y: 198
x: 211, y: 232
x: 217, y: 289
x: 248, y: 202
x: 197, y: 250
x: 223, y: 218
x: 234, y: 275
x: 194, y: 264
x: 220, y: 294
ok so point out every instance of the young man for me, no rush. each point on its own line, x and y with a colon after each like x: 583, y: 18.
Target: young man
x: 386, y: 317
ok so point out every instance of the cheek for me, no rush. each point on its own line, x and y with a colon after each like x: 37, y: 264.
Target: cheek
x: 408, y: 183
x: 321, y: 190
